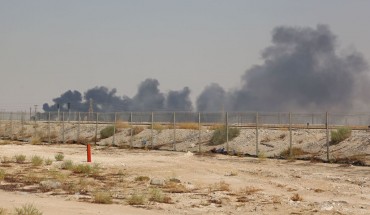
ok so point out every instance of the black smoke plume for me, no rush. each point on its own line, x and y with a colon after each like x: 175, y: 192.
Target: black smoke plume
x: 302, y: 71
x: 148, y: 98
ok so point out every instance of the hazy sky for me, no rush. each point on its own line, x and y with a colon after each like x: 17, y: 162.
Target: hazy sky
x: 48, y: 47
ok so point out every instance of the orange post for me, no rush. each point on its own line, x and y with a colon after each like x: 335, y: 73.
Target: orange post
x: 88, y: 153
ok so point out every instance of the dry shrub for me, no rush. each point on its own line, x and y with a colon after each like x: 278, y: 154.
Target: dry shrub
x: 340, y: 135
x: 3, y: 211
x: 174, y: 187
x: 32, y: 178
x: 219, y: 135
x: 107, y: 132
x: 35, y: 140
x: 136, y: 199
x: 188, y: 125
x: 57, y: 175
x: 158, y: 127
x: 156, y: 195
x: 27, y: 209
x: 121, y: 124
x: 295, y: 152
x: 296, y: 197
x: 37, y: 160
x: 215, y: 126
x: 20, y: 158
x: 2, y: 174
x: 6, y: 159
x: 220, y: 186
x: 358, y: 160
x: 142, y: 178
x: 59, y: 157
x: 5, y: 142
x: 102, y: 197
x: 317, y: 190
x: 137, y: 129
x: 250, y: 190
x: 282, y: 136
x: 67, y: 164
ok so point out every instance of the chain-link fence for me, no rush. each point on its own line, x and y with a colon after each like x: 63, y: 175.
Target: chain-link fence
x: 259, y: 134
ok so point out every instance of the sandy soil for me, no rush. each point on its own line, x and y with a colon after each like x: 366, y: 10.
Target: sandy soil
x: 216, y: 184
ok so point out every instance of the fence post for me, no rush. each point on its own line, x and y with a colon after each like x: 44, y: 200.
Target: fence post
x: 11, y: 126
x: 290, y: 135
x: 63, y: 128
x: 1, y: 119
x: 131, y: 129
x: 151, y: 130
x: 199, y: 133
x: 22, y: 124
x: 49, y: 141
x: 257, y: 151
x: 227, y: 132
x: 327, y: 137
x: 114, y: 128
x: 78, y: 128
x: 174, y: 131
x: 96, y: 128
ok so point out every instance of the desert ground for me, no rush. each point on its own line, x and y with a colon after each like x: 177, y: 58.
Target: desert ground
x: 186, y: 182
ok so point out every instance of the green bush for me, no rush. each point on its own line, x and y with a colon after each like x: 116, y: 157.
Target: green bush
x: 107, y: 132
x: 59, y: 157
x: 219, y: 135
x: 340, y: 134
x: 37, y: 160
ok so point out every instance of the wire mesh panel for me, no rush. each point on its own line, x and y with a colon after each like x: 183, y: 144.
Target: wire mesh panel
x: 141, y: 117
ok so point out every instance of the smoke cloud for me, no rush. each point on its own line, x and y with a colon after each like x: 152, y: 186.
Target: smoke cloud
x: 302, y: 71
x: 148, y: 98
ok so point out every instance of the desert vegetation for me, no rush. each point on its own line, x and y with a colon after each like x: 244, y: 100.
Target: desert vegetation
x: 219, y: 135
x: 340, y: 135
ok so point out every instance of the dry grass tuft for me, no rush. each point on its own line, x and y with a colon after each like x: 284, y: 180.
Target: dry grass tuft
x: 136, y: 199
x: 215, y: 126
x: 20, y: 158
x: 156, y: 195
x: 158, y: 127
x: 3, y: 211
x: 220, y: 186
x: 2, y: 174
x: 27, y: 209
x: 37, y: 160
x: 6, y: 159
x: 35, y: 140
x: 250, y: 190
x: 137, y: 129
x: 59, y: 157
x: 295, y: 152
x: 102, y: 197
x: 142, y: 178
x: 188, y: 125
x: 121, y: 124
x: 174, y: 187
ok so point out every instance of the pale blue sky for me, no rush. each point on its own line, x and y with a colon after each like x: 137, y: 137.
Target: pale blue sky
x: 48, y: 47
